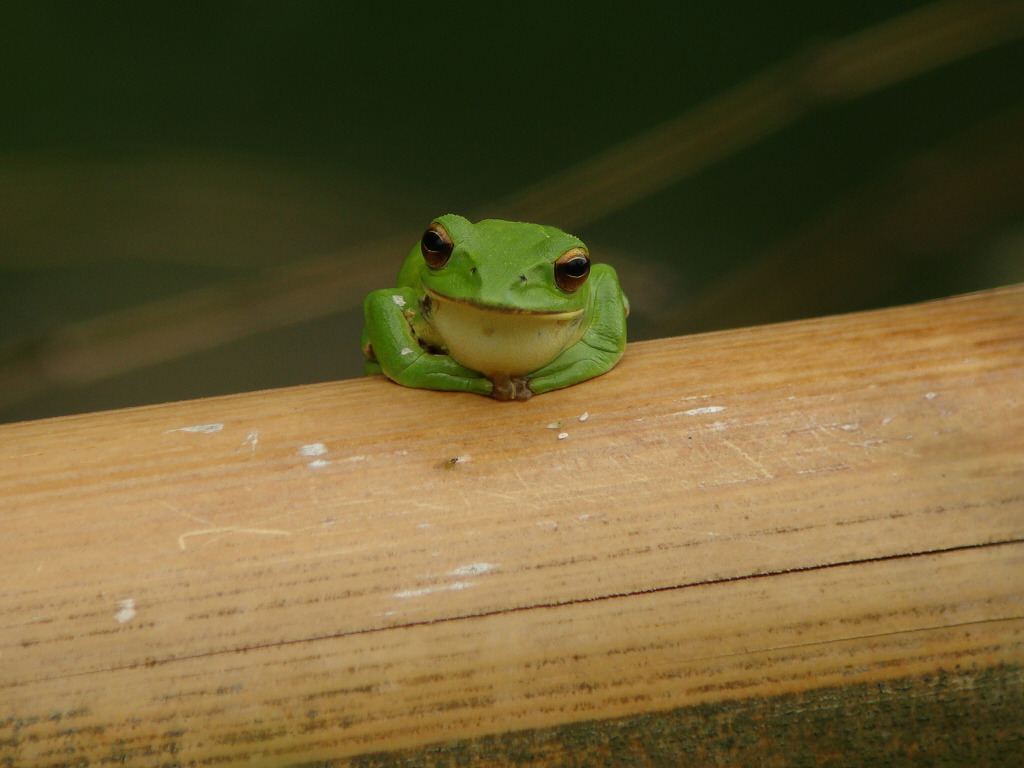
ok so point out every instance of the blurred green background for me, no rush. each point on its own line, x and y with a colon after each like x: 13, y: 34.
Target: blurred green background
x: 194, y: 197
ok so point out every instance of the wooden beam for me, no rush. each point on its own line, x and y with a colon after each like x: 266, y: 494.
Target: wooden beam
x: 324, y: 572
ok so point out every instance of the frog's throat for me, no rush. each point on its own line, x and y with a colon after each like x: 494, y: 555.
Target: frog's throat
x: 499, y: 341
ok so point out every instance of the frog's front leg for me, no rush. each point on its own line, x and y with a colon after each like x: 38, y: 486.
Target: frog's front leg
x: 393, y: 349
x: 600, y: 347
x: 578, y: 363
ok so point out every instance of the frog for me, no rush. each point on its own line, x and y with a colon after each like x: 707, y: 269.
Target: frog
x: 504, y: 309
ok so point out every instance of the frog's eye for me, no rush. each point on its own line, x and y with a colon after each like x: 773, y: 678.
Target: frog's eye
x: 436, y: 246
x: 571, y: 269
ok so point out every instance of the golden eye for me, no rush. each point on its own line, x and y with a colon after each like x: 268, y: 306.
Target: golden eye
x: 571, y: 270
x: 436, y: 246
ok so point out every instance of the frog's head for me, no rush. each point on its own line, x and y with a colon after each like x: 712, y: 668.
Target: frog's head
x: 504, y: 266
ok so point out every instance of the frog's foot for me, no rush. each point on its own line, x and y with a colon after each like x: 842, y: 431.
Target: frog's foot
x: 510, y: 387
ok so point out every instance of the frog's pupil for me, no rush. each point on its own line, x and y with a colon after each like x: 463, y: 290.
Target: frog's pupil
x: 576, y: 267
x: 433, y: 242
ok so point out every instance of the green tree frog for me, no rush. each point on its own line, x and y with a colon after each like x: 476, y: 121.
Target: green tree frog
x: 499, y: 308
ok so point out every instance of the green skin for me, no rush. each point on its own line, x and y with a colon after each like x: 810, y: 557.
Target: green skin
x: 494, y: 320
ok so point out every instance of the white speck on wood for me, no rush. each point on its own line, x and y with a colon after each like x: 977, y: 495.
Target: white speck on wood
x: 585, y: 415
x: 318, y: 463
x: 454, y: 586
x: 203, y: 429
x: 702, y: 411
x: 930, y: 396
x: 125, y: 611
x: 473, y: 569
x: 313, y: 449
x: 562, y: 435
x: 405, y: 595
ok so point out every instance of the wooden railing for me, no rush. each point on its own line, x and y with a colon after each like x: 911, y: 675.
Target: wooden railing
x: 735, y: 548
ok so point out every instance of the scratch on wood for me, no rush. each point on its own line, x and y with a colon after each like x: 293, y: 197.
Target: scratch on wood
x: 754, y: 462
x: 251, y: 440
x: 184, y: 513
x: 212, y: 531
x: 836, y: 468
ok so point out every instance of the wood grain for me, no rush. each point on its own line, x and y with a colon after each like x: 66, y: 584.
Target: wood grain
x: 329, y: 571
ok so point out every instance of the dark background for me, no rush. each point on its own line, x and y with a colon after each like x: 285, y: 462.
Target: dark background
x: 171, y: 171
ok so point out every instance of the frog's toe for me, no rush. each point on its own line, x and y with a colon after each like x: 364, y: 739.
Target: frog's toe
x: 510, y: 387
x: 504, y: 388
x: 522, y: 388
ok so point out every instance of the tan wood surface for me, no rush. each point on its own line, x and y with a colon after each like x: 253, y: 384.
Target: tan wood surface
x: 349, y: 568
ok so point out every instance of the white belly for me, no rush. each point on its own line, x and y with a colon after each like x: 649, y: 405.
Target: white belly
x: 493, y: 342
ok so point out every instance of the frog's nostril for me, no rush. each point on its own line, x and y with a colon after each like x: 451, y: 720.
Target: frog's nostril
x: 522, y: 278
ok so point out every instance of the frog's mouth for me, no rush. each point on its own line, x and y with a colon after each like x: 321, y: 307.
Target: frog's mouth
x: 484, y: 307
x: 500, y: 340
